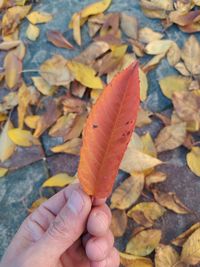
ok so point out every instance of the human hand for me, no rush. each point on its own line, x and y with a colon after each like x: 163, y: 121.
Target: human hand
x: 65, y: 231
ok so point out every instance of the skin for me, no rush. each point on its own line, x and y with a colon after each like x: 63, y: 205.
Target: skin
x: 68, y: 230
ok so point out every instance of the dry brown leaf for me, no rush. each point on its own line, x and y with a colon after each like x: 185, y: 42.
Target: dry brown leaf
x: 158, y: 47
x: 129, y: 25
x: 78, y: 89
x: 8, y: 102
x: 143, y: 117
x: 187, y: 106
x: 3, y: 117
x: 118, y: 223
x: 171, y: 84
x: 166, y: 256
x: 170, y: 201
x: 147, y: 35
x: 24, y: 98
x: 153, y: 62
x: 156, y: 8
x: 57, y: 38
x: 92, y: 52
x: 48, y: 118
x: 74, y: 105
x: 37, y: 17
x: 171, y: 137
x: 191, y: 55
x: 59, y: 180
x: 71, y: 147
x: 144, y: 242
x: 13, y: 69
x: 193, y: 159
x: 154, y: 178
x: 128, y: 192
x: 32, y: 32
x: 55, y: 71
x: 43, y: 86
x: 63, y: 125
x: 181, y: 239
x: 85, y: 75
x: 7, y: 146
x: 134, y: 261
x: 174, y: 54
x: 146, y: 213
x: 191, y: 249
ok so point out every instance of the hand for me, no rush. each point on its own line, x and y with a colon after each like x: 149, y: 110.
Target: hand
x: 65, y: 231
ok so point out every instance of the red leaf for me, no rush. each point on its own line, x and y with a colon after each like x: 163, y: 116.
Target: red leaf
x: 108, y: 131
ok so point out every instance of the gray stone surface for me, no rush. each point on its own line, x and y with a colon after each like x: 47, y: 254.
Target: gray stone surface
x: 20, y: 188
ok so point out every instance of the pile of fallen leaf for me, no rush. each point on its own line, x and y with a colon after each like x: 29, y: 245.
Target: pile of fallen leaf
x: 29, y: 111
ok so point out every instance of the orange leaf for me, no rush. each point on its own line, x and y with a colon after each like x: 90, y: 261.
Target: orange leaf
x: 108, y: 131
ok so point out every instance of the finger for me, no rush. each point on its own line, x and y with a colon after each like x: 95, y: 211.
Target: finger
x: 112, y: 260
x: 98, y: 248
x: 98, y: 201
x: 99, y: 221
x: 69, y: 224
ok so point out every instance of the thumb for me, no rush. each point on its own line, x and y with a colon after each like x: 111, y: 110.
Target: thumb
x: 69, y: 224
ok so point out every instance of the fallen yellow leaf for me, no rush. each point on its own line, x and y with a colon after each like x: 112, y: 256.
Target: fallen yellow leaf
x: 76, y: 25
x: 32, y: 32
x: 134, y: 261
x: 128, y: 192
x: 36, y: 17
x: 22, y: 137
x: 158, y: 47
x: 9, y: 45
x: 6, y: 145
x: 148, y: 145
x: 154, y: 178
x: 71, y: 147
x: 143, y: 85
x: 95, y: 8
x: 147, y: 35
x: 59, y: 180
x: 43, y: 86
x: 32, y: 120
x: 144, y: 243
x: 37, y: 203
x: 3, y: 172
x: 193, y: 160
x: 85, y: 75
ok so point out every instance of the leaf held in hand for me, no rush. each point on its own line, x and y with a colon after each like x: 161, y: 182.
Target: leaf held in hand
x: 110, y: 125
x: 59, y: 180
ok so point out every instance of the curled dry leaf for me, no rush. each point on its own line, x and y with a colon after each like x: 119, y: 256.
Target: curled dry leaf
x: 193, y: 159
x: 37, y: 17
x: 7, y: 146
x: 166, y: 256
x: 170, y: 201
x: 154, y: 178
x: 22, y: 137
x: 71, y: 147
x: 85, y: 75
x: 92, y: 52
x: 118, y: 223
x: 24, y: 98
x: 129, y: 25
x: 55, y: 71
x: 36, y: 204
x: 191, y: 249
x: 43, y: 86
x: 144, y: 243
x: 147, y: 35
x: 9, y: 45
x: 171, y: 137
x: 128, y: 192
x: 13, y: 69
x: 59, y: 180
x: 57, y: 38
x: 32, y: 32
x: 146, y: 213
x: 48, y: 118
x: 3, y: 172
x: 187, y: 106
x: 191, y: 55
x: 181, y: 239
x: 110, y: 124
x: 171, y: 84
x: 158, y: 47
x: 134, y: 261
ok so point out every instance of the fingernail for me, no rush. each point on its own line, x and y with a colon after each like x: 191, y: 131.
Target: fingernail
x: 75, y: 202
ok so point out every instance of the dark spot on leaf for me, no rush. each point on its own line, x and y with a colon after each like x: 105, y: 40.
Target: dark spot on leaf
x: 95, y: 126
